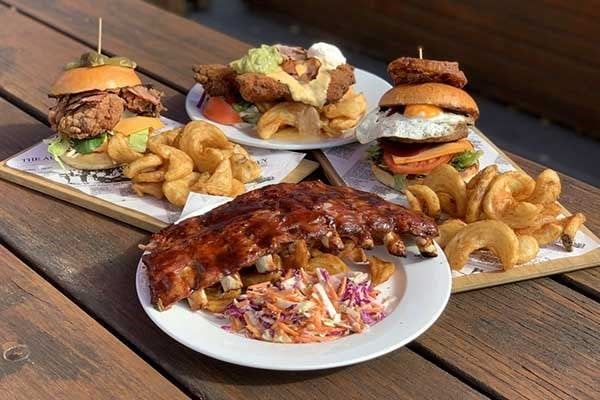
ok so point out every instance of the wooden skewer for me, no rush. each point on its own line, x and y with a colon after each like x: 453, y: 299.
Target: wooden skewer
x: 420, y: 52
x: 99, y: 35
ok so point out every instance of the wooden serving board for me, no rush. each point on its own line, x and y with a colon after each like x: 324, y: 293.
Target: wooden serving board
x: 123, y: 214
x: 486, y: 279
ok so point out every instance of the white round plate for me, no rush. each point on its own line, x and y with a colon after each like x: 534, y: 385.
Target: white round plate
x: 371, y: 85
x: 421, y: 287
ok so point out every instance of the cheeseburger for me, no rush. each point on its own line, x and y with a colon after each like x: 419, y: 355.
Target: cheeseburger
x: 96, y: 98
x: 421, y: 123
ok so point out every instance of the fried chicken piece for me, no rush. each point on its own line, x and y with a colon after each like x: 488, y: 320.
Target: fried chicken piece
x: 217, y: 79
x: 143, y: 100
x: 341, y: 79
x: 258, y: 88
x: 85, y: 115
x: 415, y: 70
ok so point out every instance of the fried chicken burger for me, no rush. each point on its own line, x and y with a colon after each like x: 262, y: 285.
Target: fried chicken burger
x: 421, y: 123
x: 97, y: 97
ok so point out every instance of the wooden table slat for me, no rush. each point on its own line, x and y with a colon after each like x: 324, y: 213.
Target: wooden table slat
x: 52, y: 349
x: 576, y: 196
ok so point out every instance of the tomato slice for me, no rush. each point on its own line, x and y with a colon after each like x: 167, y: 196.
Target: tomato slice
x: 415, y: 168
x: 218, y: 110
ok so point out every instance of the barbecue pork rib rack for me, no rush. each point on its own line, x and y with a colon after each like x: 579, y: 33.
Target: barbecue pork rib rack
x: 252, y: 228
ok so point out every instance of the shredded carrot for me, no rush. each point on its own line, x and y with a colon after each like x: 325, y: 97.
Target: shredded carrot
x: 291, y: 310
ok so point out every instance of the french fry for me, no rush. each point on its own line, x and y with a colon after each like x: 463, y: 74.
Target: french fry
x: 571, y: 226
x: 493, y: 235
x: 380, y: 270
x: 141, y: 164
x: 428, y: 200
x: 446, y: 179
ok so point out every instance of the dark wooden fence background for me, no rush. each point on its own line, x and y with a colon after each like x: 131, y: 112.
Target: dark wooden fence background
x: 541, y: 56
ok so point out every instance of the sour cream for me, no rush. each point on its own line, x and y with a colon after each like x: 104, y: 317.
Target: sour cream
x: 329, y: 55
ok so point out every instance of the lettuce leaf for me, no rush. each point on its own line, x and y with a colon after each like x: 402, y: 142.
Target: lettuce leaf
x: 58, y: 147
x: 85, y: 146
x: 138, y: 140
x: 465, y: 159
x: 241, y: 106
x: 399, y: 182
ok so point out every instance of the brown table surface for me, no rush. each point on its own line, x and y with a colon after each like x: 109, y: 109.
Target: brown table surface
x: 70, y: 322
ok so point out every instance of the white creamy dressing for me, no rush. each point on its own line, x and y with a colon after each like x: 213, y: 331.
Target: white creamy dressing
x: 377, y: 125
x: 313, y: 92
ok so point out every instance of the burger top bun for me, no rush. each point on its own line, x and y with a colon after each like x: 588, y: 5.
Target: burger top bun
x: 105, y: 77
x: 437, y: 94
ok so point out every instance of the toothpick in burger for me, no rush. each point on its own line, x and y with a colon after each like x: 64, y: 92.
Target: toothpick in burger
x: 421, y: 123
x: 98, y: 97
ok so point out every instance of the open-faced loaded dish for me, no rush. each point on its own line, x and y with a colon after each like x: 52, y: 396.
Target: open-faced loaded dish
x: 285, y: 92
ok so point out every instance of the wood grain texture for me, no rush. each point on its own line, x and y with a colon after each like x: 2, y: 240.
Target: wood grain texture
x: 529, y: 340
x: 94, y: 258
x: 577, y: 196
x: 163, y: 44
x: 51, y: 349
x: 103, y: 266
x: 32, y: 56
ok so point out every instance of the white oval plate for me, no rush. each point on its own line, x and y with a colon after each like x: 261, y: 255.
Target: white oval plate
x: 421, y: 286
x: 371, y: 85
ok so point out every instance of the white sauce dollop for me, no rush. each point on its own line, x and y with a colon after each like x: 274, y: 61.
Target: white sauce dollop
x: 329, y: 55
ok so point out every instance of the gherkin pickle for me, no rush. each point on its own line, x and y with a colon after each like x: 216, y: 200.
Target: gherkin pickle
x: 95, y: 59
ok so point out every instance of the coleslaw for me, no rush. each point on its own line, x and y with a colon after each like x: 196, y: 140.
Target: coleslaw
x: 307, y: 307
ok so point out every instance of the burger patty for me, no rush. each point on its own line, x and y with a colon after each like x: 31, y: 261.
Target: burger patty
x: 89, y: 114
x: 85, y: 115
x: 414, y: 70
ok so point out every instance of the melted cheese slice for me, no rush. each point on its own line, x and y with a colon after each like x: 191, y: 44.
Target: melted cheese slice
x: 313, y: 92
x: 128, y: 126
x: 443, y: 149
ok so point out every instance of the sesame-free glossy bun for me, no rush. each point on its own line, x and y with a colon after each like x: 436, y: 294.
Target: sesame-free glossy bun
x: 105, y: 77
x: 437, y: 94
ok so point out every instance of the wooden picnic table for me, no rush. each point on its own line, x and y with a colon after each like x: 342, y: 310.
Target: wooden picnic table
x: 70, y: 322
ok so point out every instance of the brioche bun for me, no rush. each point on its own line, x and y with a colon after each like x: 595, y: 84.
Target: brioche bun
x: 105, y: 77
x: 387, y: 178
x: 437, y: 94
x: 90, y: 161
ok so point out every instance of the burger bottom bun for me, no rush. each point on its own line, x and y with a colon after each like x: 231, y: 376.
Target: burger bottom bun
x: 91, y: 161
x: 387, y: 178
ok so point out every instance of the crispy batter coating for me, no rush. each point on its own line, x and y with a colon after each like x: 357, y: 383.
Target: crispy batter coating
x: 415, y: 70
x: 341, y: 79
x: 258, y: 88
x: 217, y: 79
